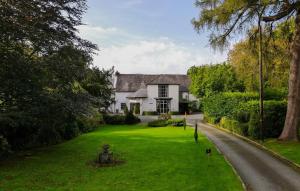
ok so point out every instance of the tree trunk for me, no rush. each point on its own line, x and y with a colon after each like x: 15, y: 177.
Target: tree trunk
x: 293, y: 108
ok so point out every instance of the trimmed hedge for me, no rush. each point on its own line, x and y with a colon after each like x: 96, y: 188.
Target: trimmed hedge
x: 234, y: 126
x: 150, y: 113
x: 128, y: 118
x: 223, y: 104
x: 274, y: 117
x: 178, y: 122
x: 158, y: 123
x: 239, y: 113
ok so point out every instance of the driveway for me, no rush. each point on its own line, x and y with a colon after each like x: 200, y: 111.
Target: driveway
x: 190, y: 118
x: 258, y: 169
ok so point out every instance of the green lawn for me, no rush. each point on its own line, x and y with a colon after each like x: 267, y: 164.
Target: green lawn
x: 165, y: 158
x: 290, y: 150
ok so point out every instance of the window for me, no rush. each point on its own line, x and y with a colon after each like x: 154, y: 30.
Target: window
x: 123, y: 106
x: 163, y: 106
x: 163, y: 91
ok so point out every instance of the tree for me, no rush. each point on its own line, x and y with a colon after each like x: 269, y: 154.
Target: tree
x: 276, y: 58
x: 212, y: 79
x: 227, y: 17
x: 46, y: 73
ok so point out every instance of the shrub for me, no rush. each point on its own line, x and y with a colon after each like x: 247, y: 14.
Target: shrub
x: 275, y: 94
x: 209, y: 119
x: 131, y: 119
x: 150, y: 113
x: 174, y: 113
x: 274, y: 116
x: 176, y: 122
x: 234, y: 126
x: 4, y: 147
x: 158, y: 123
x: 128, y: 118
x: 114, y: 119
x: 88, y: 124
x: 165, y: 116
x: 223, y: 104
x: 48, y: 135
x: 71, y: 130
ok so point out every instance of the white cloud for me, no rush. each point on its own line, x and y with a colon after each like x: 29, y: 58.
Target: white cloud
x: 131, y: 53
x: 150, y: 56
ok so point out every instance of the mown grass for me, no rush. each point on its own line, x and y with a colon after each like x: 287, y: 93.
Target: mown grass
x: 165, y: 158
x: 290, y: 150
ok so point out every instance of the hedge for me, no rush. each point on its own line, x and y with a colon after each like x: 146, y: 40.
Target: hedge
x: 158, y: 123
x: 239, y: 113
x: 128, y: 118
x: 150, y: 113
x: 177, y: 122
x: 274, y: 117
x: 223, y: 104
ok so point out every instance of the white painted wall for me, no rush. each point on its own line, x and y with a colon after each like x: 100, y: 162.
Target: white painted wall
x: 121, y: 97
x: 174, y: 94
x: 149, y: 103
x: 188, y: 96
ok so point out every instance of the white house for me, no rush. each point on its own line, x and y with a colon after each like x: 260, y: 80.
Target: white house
x: 161, y: 93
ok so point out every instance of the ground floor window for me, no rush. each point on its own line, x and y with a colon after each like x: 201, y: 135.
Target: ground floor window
x: 163, y: 106
x: 123, y: 106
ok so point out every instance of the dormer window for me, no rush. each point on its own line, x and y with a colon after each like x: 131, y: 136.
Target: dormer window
x: 163, y: 91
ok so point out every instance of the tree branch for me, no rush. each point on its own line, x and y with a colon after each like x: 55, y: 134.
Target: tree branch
x: 288, y: 10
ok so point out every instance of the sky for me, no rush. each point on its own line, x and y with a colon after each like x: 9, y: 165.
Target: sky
x: 147, y: 36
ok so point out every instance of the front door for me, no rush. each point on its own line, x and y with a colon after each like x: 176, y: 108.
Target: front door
x: 163, y: 106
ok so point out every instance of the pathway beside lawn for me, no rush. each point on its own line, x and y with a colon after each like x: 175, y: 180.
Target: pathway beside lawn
x: 165, y: 158
x: 260, y: 170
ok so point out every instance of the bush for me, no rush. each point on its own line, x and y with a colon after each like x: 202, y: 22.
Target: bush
x: 174, y: 113
x: 88, y: 124
x: 71, y: 130
x: 209, y: 119
x: 274, y: 116
x: 4, y: 147
x: 223, y: 104
x: 176, y: 122
x: 275, y: 94
x: 158, y: 123
x: 114, y: 119
x: 165, y: 116
x: 150, y: 113
x: 128, y: 118
x: 234, y: 126
x: 48, y: 135
x: 131, y: 119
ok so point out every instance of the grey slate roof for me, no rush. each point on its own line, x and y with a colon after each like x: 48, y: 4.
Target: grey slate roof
x: 141, y: 93
x: 134, y: 82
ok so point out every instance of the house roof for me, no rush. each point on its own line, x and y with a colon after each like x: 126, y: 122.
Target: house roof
x: 141, y: 93
x: 134, y: 82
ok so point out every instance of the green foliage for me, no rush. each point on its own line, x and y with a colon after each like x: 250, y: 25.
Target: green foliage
x: 234, y: 126
x: 177, y: 122
x: 114, y: 119
x: 136, y: 109
x: 174, y: 113
x: 46, y: 72
x: 131, y: 119
x: 4, y: 147
x: 223, y: 104
x: 211, y: 79
x: 158, y: 123
x: 128, y: 118
x: 149, y: 112
x: 88, y: 124
x: 274, y: 116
